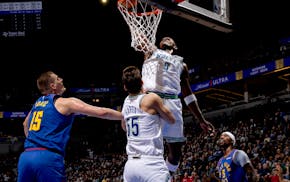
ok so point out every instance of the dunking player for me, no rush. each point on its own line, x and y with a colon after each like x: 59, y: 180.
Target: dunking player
x: 167, y: 75
x: 142, y: 113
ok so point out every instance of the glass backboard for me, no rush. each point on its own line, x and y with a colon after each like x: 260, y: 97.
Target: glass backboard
x: 214, y: 14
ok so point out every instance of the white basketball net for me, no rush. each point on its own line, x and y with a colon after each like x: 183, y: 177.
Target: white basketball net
x: 143, y: 20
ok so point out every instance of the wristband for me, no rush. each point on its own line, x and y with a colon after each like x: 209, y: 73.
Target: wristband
x: 189, y: 99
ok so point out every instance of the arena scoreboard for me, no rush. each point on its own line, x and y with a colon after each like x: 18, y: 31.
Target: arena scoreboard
x: 20, y: 18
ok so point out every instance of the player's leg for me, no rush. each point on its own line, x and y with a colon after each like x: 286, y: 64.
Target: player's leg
x: 174, y: 156
x: 156, y: 170
x: 173, y: 134
x: 132, y: 169
x: 41, y: 165
x: 24, y: 168
x: 51, y: 168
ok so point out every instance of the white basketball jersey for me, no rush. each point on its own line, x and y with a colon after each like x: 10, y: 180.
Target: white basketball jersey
x: 161, y: 73
x: 143, y: 129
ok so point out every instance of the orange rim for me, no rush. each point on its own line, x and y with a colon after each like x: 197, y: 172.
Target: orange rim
x: 156, y: 11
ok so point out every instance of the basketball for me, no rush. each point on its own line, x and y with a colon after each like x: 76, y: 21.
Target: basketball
x: 128, y: 3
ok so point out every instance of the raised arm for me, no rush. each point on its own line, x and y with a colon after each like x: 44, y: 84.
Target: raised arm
x: 146, y: 46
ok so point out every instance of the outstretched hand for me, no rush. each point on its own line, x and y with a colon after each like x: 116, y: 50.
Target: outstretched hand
x: 207, y: 127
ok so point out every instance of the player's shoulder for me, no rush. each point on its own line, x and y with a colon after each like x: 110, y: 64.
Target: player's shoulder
x: 151, y: 99
x: 177, y: 57
x: 240, y: 153
x: 151, y: 96
x: 67, y: 100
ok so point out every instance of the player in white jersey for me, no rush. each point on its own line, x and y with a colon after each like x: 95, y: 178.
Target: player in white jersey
x: 142, y: 123
x: 167, y: 75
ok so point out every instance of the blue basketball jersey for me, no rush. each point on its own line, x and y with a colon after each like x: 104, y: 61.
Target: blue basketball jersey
x: 47, y: 127
x: 230, y: 171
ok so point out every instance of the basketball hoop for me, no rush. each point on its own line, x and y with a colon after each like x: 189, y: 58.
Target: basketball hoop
x: 143, y: 20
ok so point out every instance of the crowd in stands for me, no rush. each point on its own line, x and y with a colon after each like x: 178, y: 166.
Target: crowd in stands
x: 262, y: 132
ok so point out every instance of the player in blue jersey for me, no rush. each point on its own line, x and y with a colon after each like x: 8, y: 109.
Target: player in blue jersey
x: 47, y: 129
x: 142, y: 115
x: 235, y: 165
